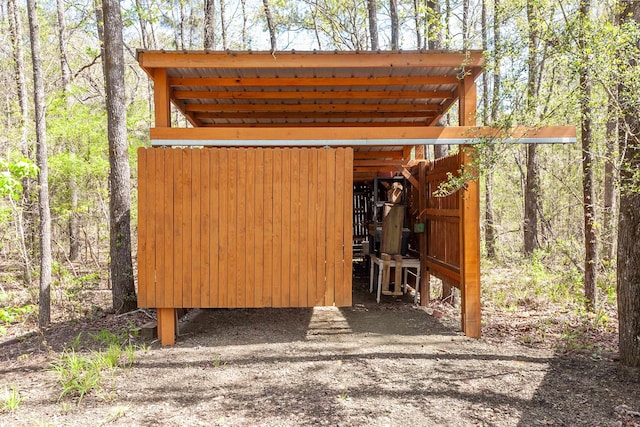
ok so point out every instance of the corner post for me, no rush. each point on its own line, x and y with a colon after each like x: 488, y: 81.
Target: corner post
x: 469, y: 221
x: 167, y: 321
x: 161, y: 98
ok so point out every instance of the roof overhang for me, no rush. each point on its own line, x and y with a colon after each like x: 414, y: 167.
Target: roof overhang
x: 380, y: 103
x: 316, y: 89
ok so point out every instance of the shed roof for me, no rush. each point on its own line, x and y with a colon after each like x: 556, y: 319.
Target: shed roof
x: 312, y: 89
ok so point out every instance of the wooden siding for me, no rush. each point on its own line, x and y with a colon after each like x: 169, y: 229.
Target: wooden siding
x: 443, y: 221
x: 238, y: 227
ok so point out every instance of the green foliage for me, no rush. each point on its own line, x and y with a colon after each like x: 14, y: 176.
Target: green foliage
x: 77, y: 374
x: 12, y: 172
x: 11, y: 399
x: 15, y: 314
x: 80, y: 374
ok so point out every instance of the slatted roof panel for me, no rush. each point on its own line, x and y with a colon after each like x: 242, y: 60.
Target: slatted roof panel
x: 314, y: 89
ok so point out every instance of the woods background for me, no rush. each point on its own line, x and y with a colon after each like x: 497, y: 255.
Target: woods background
x: 554, y: 207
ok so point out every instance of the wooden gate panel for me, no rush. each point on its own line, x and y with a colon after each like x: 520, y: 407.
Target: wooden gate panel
x: 244, y: 227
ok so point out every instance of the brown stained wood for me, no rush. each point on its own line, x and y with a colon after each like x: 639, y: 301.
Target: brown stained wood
x: 327, y: 133
x: 182, y: 232
x: 305, y: 281
x: 214, y: 228
x: 314, y: 81
x: 312, y: 224
x: 385, y: 164
x: 321, y: 226
x: 205, y: 228
x: 268, y: 222
x: 231, y: 193
x: 276, y: 222
x: 344, y: 297
x: 339, y: 225
x: 392, y: 223
x: 386, y: 155
x: 323, y: 109
x: 287, y: 215
x: 221, y: 175
x: 167, y: 326
x: 293, y: 278
x: 242, y: 258
x: 277, y: 250
x: 470, y: 253
x: 195, y: 251
x: 313, y: 95
x: 161, y: 98
x: 412, y: 180
x: 351, y: 113
x: 143, y: 235
x: 151, y: 60
x: 423, y: 194
x: 302, y: 233
x: 167, y: 172
x: 256, y: 230
x: 329, y: 296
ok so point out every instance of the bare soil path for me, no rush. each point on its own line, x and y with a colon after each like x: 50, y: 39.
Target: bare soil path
x: 388, y: 364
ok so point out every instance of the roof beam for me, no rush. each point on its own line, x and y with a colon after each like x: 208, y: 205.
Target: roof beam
x: 302, y: 95
x: 354, y: 135
x: 319, y: 124
x: 251, y: 115
x: 212, y: 108
x: 151, y: 59
x: 312, y: 81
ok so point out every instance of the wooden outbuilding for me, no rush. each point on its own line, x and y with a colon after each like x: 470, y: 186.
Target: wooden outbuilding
x: 245, y: 198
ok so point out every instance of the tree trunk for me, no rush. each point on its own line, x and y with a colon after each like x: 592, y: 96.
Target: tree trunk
x: 26, y: 219
x: 609, y: 233
x: 588, y: 185
x: 270, y: 26
x: 628, y: 285
x: 143, y: 25
x: 418, y: 23
x: 610, y: 175
x: 44, y: 316
x: 465, y: 24
x: 395, y: 33
x: 373, y: 24
x: 209, y: 24
x: 122, y: 285
x: 497, y: 40
x: 65, y: 71
x: 245, y: 19
x: 223, y: 23
x: 62, y: 45
x: 74, y: 229
x: 435, y: 29
x: 490, y: 116
x: 532, y: 187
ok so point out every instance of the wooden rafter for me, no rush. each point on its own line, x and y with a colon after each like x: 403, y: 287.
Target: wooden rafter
x: 320, y: 108
x: 254, y: 115
x: 312, y: 95
x: 311, y: 81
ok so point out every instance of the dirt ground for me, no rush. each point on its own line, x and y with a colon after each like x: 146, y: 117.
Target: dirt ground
x: 388, y: 364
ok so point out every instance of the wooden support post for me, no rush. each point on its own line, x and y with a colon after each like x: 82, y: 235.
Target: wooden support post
x: 470, y: 256
x: 425, y: 288
x: 161, y: 98
x: 167, y: 328
x: 469, y: 222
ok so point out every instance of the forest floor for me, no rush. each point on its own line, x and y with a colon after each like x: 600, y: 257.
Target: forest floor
x: 387, y: 364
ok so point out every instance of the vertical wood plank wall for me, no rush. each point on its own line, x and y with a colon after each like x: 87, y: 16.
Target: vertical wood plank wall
x: 443, y: 221
x: 244, y: 227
